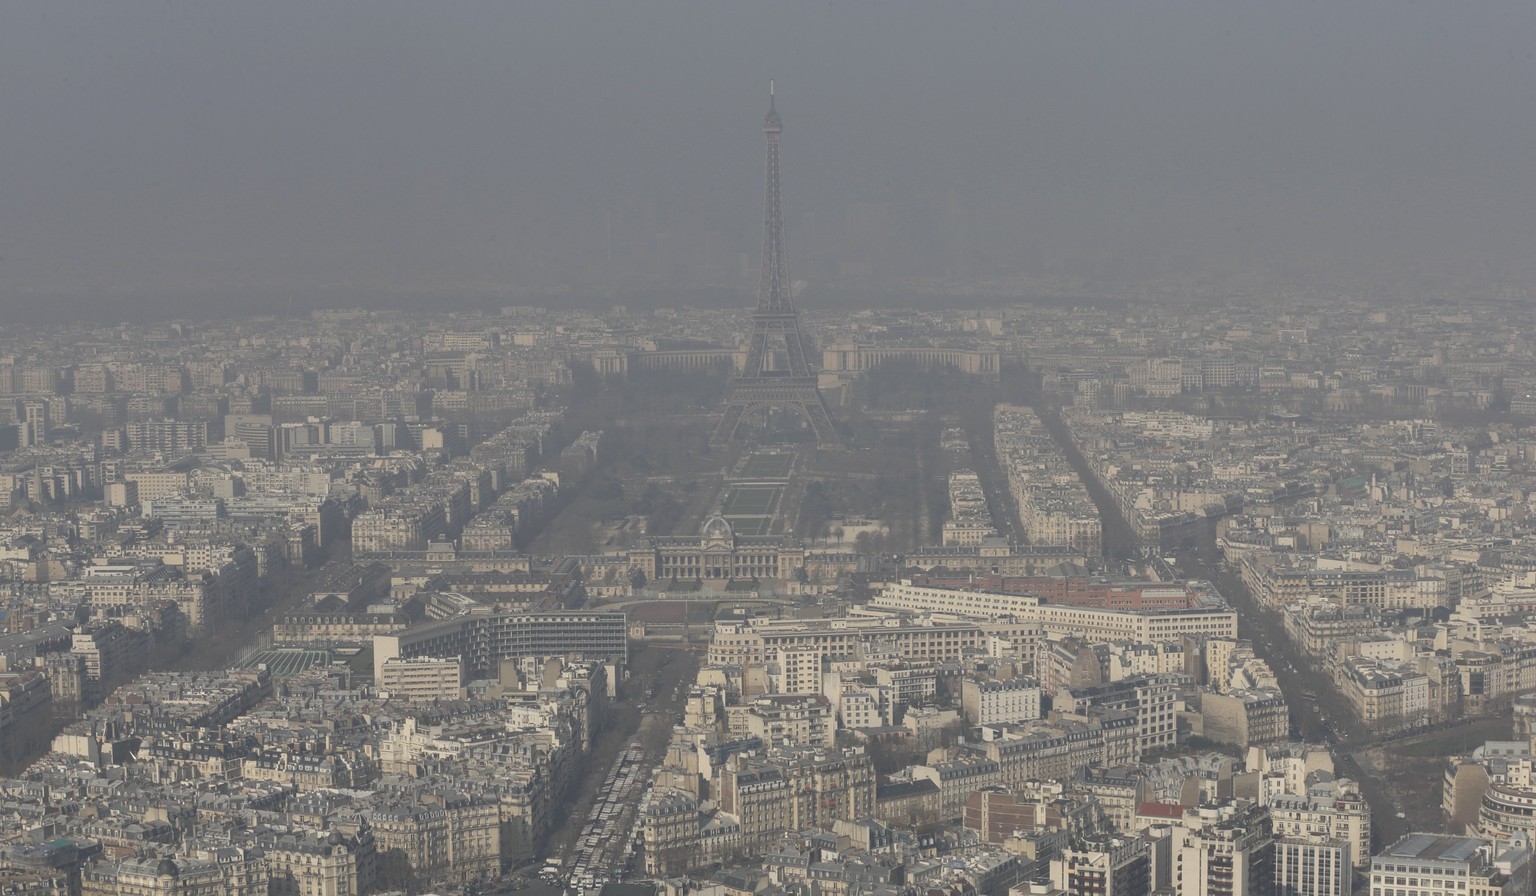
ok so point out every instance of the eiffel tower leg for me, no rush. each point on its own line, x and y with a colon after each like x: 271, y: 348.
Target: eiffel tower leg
x: 794, y: 351
x: 725, y: 430
x: 821, y: 422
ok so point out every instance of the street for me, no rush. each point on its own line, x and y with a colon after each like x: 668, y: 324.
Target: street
x: 1319, y: 714
x: 596, y: 843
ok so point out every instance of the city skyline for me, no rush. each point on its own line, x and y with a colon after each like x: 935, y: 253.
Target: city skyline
x: 372, y: 600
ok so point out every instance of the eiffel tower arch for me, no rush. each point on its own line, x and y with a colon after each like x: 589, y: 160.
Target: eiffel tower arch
x: 775, y: 326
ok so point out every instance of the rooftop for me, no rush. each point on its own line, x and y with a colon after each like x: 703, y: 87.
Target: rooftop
x: 1441, y: 847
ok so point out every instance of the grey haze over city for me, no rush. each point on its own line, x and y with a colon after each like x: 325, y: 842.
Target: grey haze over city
x: 509, y: 449
x: 171, y: 157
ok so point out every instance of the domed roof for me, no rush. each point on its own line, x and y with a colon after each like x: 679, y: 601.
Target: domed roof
x: 716, y: 527
x: 167, y: 868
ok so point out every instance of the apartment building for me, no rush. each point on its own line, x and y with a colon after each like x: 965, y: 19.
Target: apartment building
x: 1329, y: 814
x: 796, y: 788
x: 423, y: 679
x: 1383, y: 696
x: 437, y: 835
x: 670, y: 829
x: 1246, y: 717
x: 957, y: 778
x: 787, y: 720
x: 1044, y: 751
x: 1312, y: 867
x: 1104, y: 865
x: 340, y: 861
x: 1000, y: 701
x: 1226, y: 851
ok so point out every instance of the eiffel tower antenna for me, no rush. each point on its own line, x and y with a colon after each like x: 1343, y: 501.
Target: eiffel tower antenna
x: 775, y: 323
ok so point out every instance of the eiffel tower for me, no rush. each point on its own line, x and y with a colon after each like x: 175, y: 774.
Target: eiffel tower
x: 775, y: 323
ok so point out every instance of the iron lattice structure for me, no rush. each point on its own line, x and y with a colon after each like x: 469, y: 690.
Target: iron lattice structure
x: 775, y: 323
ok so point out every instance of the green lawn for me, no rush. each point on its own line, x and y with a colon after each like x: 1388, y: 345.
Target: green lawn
x: 286, y: 662
x: 751, y: 525
x: 1455, y: 741
x: 752, y: 500
x: 767, y: 466
x: 362, y: 663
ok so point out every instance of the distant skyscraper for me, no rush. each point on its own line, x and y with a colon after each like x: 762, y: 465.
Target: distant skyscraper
x: 775, y: 323
x: 33, y: 414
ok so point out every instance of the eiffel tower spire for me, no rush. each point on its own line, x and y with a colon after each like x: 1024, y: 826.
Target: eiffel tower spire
x: 773, y: 287
x: 775, y: 323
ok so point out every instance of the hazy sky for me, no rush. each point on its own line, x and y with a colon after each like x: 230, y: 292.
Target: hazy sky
x: 228, y: 148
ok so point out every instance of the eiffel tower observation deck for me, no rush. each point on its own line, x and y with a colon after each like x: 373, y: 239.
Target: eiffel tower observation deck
x: 775, y: 326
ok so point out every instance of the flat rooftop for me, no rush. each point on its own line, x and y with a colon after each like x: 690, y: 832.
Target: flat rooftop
x: 1440, y: 847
